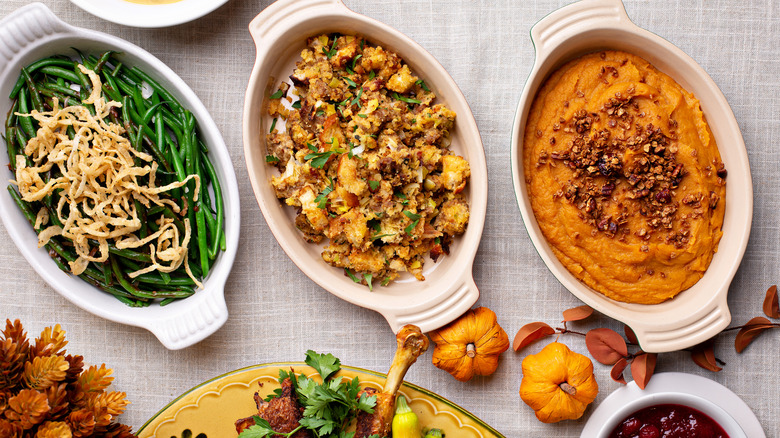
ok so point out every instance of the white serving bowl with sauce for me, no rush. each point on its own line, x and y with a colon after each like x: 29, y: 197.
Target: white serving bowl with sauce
x: 697, y: 392
x: 34, y: 32
x: 280, y: 34
x: 701, y: 311
x: 149, y: 13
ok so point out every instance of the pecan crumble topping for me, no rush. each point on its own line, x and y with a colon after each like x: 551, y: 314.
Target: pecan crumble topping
x: 641, y: 162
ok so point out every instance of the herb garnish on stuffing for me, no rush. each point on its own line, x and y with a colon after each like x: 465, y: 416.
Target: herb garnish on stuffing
x: 364, y: 156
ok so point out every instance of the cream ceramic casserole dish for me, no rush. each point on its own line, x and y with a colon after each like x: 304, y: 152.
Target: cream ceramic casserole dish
x: 280, y: 33
x: 34, y: 32
x: 700, y: 312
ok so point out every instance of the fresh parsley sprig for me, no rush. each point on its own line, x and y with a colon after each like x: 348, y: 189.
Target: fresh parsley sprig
x: 318, y: 159
x: 328, y: 407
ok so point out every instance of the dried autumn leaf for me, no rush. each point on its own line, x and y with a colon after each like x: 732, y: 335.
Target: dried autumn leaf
x: 703, y: 355
x: 113, y: 402
x: 606, y: 345
x: 577, y: 313
x: 771, y: 306
x: 750, y: 331
x: 642, y: 368
x: 530, y: 333
x: 630, y: 335
x: 617, y: 370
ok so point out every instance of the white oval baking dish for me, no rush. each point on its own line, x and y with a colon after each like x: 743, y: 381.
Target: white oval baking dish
x: 149, y: 16
x: 700, y: 312
x: 280, y: 33
x: 33, y: 32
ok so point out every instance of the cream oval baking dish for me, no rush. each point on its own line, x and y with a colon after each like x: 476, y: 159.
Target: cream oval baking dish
x: 700, y: 312
x: 280, y: 33
x: 33, y: 32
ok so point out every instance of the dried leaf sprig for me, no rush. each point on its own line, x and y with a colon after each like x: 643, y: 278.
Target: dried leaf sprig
x: 46, y: 393
x: 605, y: 345
x: 610, y: 348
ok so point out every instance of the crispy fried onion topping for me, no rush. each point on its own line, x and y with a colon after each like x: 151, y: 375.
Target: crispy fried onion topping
x: 99, y: 186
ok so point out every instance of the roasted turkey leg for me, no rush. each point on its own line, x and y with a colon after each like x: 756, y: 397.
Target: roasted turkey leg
x: 411, y: 344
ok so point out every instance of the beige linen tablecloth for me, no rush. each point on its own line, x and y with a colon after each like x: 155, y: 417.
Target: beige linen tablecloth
x: 277, y: 313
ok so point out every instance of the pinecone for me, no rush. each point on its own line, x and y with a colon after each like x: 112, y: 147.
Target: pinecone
x: 54, y: 429
x: 44, y: 393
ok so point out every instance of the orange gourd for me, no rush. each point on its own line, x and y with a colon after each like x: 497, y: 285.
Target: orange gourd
x: 470, y: 345
x: 558, y: 384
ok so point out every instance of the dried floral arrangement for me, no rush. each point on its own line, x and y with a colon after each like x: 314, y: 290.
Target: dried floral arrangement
x: 45, y: 393
x: 610, y: 348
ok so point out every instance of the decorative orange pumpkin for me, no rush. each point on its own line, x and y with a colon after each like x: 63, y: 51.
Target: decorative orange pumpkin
x: 470, y: 345
x: 558, y: 384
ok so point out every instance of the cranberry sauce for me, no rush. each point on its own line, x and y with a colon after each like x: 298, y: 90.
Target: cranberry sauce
x: 668, y: 421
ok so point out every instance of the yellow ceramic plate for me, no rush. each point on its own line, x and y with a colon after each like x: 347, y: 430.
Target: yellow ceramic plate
x: 212, y: 407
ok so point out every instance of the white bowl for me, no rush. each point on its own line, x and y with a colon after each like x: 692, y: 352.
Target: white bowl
x: 33, y: 32
x: 280, y: 33
x: 140, y: 15
x: 712, y: 410
x: 700, y: 312
x: 700, y: 393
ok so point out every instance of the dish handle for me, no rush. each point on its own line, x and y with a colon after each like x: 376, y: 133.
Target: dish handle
x: 25, y: 26
x: 459, y: 298
x: 280, y: 16
x: 191, y: 324
x: 654, y: 337
x: 576, y: 18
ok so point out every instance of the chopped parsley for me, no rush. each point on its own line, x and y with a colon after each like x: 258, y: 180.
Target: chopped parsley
x: 322, y: 198
x: 368, y: 278
x: 422, y: 84
x: 350, y: 82
x: 372, y: 74
x: 410, y: 215
x: 356, y: 100
x: 320, y: 113
x: 351, y: 275
x: 277, y: 95
x: 362, y: 116
x: 332, y: 51
x: 296, y: 104
x: 379, y: 236
x: 404, y: 200
x: 410, y: 227
x: 328, y: 407
x: 318, y: 159
x: 397, y: 96
x: 271, y: 159
x: 374, y: 184
x: 355, y: 59
x: 273, y: 126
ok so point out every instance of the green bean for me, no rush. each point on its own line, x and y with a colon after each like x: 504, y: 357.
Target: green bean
x: 10, y: 142
x: 129, y: 254
x: 60, y: 89
x: 212, y: 173
x: 34, y: 95
x: 173, y: 103
x: 25, y: 121
x: 84, y: 82
x: 35, y: 66
x: 60, y: 72
x: 102, y: 61
x: 151, y: 112
x: 150, y: 279
x: 138, y: 99
x: 22, y: 206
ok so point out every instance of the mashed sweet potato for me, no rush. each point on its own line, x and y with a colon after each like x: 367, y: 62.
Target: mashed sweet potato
x: 624, y: 177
